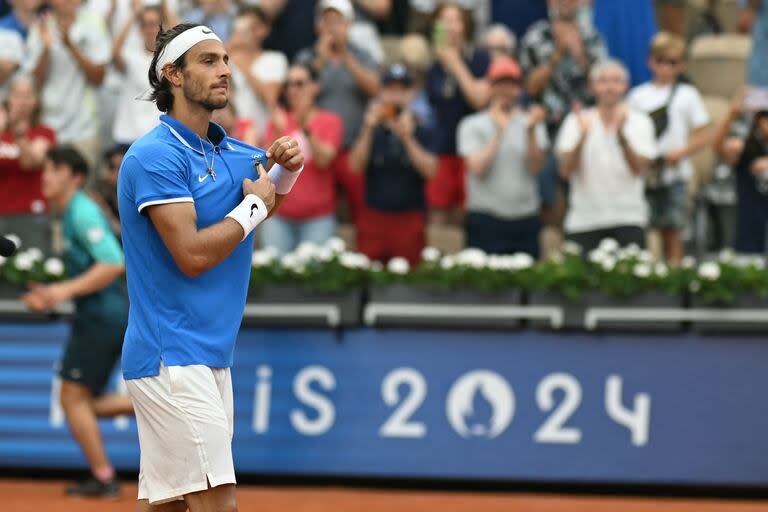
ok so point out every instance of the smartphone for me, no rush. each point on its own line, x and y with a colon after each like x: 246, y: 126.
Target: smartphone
x: 390, y: 111
x: 438, y: 35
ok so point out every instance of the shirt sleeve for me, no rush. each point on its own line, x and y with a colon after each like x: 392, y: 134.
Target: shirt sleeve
x: 331, y: 130
x: 158, y: 176
x: 569, y: 134
x: 11, y: 46
x: 641, y: 135
x: 98, y: 44
x: 34, y: 51
x: 94, y: 234
x: 272, y: 67
x: 469, y: 137
x: 540, y: 132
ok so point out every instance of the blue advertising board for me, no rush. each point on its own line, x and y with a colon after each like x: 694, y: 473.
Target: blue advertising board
x: 534, y: 406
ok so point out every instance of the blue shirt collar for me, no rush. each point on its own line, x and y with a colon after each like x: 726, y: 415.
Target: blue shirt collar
x: 191, y: 140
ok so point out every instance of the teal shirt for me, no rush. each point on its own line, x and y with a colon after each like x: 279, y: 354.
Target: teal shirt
x: 88, y: 239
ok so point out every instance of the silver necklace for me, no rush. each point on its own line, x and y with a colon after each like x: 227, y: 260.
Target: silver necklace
x: 211, y: 172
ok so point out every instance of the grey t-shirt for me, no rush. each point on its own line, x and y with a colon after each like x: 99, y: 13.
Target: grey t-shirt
x: 507, y: 190
x: 339, y: 92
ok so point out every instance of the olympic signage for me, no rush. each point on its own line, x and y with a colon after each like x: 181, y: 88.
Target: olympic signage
x: 451, y: 405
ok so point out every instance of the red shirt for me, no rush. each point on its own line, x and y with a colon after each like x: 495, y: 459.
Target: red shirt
x: 314, y: 194
x: 20, y: 189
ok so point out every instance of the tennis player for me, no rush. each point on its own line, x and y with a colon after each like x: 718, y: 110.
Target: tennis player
x: 188, y: 206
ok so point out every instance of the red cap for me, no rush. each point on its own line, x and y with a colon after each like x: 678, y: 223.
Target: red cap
x: 503, y: 68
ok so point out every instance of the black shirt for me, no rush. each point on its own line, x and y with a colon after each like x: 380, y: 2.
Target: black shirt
x: 752, y: 193
x: 392, y: 184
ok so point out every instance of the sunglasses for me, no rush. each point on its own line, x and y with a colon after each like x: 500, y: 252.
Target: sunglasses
x: 296, y: 83
x: 670, y: 62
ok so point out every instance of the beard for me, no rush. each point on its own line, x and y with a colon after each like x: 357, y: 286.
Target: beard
x: 194, y: 92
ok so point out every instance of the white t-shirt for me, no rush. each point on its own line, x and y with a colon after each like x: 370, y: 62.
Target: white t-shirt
x: 685, y: 113
x: 270, y: 66
x: 69, y: 102
x: 11, y: 50
x: 134, y: 117
x: 604, y: 191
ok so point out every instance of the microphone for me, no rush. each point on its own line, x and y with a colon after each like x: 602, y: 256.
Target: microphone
x: 7, y: 247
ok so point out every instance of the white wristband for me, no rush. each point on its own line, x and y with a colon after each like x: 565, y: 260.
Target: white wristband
x: 283, y: 178
x: 249, y: 213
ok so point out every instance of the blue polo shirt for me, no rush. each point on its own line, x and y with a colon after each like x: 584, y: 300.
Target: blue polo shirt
x: 174, y: 318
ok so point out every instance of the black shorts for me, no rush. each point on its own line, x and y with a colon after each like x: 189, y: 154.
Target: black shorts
x: 93, y: 348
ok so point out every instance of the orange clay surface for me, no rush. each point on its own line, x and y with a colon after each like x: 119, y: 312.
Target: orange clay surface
x: 38, y: 496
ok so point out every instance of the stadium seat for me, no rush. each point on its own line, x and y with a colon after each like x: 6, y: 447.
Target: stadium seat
x: 704, y: 161
x: 391, y: 46
x: 717, y: 63
x: 727, y: 12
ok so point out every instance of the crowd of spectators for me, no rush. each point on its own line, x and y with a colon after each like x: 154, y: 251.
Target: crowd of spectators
x: 504, y: 119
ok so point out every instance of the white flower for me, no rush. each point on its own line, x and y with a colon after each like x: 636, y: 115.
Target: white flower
x: 398, y: 265
x: 726, y: 255
x: 448, y: 262
x: 35, y: 254
x: 354, y: 260
x: 709, y: 270
x: 376, y: 266
x: 472, y: 257
x: 291, y: 261
x: 496, y: 262
x: 597, y: 256
x: 54, y: 267
x: 15, y: 239
x: 757, y: 262
x: 608, y: 263
x: 695, y: 286
x: 688, y: 262
x: 2, y: 260
x: 324, y: 254
x: 430, y: 254
x: 570, y: 247
x: 307, y: 250
x: 642, y: 270
x: 645, y: 256
x: 23, y: 262
x: 262, y: 258
x: 632, y: 249
x: 608, y: 245
x: 661, y: 270
x: 521, y: 261
x: 336, y: 244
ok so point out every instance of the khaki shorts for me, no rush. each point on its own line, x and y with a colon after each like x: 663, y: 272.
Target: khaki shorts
x: 185, y: 422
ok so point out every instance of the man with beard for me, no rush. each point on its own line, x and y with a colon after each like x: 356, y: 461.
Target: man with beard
x: 188, y: 208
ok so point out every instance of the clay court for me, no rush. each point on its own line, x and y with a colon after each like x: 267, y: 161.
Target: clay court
x: 38, y: 496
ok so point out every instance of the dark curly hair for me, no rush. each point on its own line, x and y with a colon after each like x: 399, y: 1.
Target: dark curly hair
x: 161, y: 88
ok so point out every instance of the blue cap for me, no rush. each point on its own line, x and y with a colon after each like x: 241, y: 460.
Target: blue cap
x: 397, y: 73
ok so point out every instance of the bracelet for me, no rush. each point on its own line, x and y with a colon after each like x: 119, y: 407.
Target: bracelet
x: 283, y: 178
x: 249, y: 213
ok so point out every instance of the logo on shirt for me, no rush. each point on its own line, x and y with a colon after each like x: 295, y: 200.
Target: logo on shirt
x: 95, y: 234
x: 202, y: 178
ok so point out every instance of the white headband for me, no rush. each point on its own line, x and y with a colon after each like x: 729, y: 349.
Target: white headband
x: 180, y: 44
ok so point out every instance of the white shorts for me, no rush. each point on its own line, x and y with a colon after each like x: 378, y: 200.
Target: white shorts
x: 185, y: 422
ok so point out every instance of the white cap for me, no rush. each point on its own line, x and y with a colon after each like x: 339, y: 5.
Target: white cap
x: 343, y: 6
